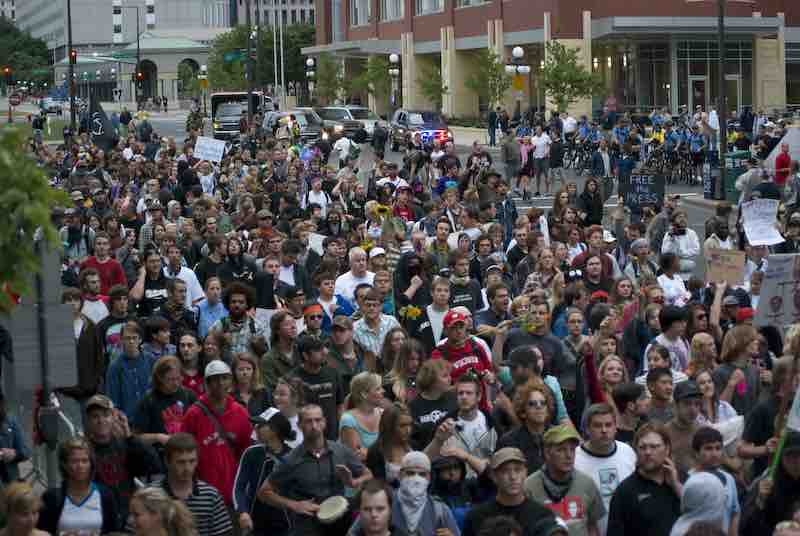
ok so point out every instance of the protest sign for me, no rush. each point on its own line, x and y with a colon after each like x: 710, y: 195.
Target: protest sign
x: 726, y: 265
x: 642, y: 189
x: 759, y: 218
x: 209, y: 149
x: 779, y: 299
x: 315, y: 243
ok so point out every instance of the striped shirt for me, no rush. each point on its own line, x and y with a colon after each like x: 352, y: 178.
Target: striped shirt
x: 369, y: 339
x: 206, y: 505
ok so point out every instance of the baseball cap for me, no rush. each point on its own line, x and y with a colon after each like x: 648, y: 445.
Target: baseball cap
x: 687, y: 389
x: 374, y: 252
x: 744, y: 313
x: 598, y: 295
x: 342, y: 322
x: 276, y: 420
x: 730, y: 300
x: 76, y: 195
x: 558, y: 434
x: 217, y: 368
x: 453, y: 317
x: 99, y: 401
x: 505, y: 455
x: 416, y: 459
x: 496, y: 267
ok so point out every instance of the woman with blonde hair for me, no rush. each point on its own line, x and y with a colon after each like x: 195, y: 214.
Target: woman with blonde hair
x: 520, y: 306
x: 400, y: 383
x: 738, y: 380
x: 358, y: 427
x: 20, y: 506
x: 154, y: 513
x: 248, y: 386
x: 612, y: 372
x: 702, y: 354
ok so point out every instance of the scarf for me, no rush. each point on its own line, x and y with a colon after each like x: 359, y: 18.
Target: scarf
x: 413, y: 496
x: 555, y: 489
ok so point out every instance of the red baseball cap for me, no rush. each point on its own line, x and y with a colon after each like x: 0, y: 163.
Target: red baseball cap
x: 744, y: 313
x: 453, y: 317
x: 599, y: 295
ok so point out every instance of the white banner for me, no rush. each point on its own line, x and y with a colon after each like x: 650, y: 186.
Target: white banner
x: 779, y: 301
x: 209, y: 149
x: 760, y: 218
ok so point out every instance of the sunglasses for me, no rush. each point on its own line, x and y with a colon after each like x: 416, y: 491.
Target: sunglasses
x: 536, y: 403
x: 315, y: 317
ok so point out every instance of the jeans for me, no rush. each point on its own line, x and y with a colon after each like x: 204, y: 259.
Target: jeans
x: 492, y: 133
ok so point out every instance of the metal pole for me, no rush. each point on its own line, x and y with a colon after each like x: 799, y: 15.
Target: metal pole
x: 283, y: 66
x: 44, y: 361
x: 138, y: 59
x: 250, y: 67
x: 275, y: 44
x: 722, y: 106
x: 71, y: 70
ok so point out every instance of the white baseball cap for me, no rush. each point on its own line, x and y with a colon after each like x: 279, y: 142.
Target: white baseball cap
x: 217, y: 368
x: 374, y: 252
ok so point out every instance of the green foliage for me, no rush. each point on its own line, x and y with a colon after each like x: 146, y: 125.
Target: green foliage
x: 374, y: 79
x: 329, y: 79
x: 187, y: 76
x: 565, y: 81
x: 28, y: 57
x: 231, y: 76
x: 490, y: 80
x: 431, y: 85
x: 26, y: 201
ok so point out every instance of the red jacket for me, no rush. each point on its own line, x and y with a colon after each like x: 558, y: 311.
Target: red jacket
x: 470, y: 356
x: 217, y: 461
x: 111, y: 273
x: 782, y: 161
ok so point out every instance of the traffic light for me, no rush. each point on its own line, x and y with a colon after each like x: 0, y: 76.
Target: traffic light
x: 7, y: 73
x: 140, y: 76
x: 73, y: 56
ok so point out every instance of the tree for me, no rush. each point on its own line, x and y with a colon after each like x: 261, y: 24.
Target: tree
x: 329, y: 79
x: 27, y: 57
x: 187, y: 76
x: 230, y: 75
x: 490, y: 80
x: 431, y: 85
x: 374, y: 79
x: 565, y: 81
x: 26, y: 202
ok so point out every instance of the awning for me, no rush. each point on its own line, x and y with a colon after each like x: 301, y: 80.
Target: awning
x: 611, y: 26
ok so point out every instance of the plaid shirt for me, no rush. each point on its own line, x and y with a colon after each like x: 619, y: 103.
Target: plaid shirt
x: 372, y: 341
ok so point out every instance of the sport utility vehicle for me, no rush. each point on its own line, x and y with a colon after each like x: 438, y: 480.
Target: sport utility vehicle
x: 406, y: 124
x: 364, y: 115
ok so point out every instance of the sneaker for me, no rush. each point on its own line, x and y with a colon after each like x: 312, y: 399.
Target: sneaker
x: 537, y: 194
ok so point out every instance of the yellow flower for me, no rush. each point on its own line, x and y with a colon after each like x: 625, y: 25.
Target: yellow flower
x: 410, y: 311
x: 383, y: 210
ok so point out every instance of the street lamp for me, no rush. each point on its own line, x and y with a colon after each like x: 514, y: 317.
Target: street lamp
x: 203, y: 76
x: 518, y: 69
x: 310, y: 64
x: 394, y: 73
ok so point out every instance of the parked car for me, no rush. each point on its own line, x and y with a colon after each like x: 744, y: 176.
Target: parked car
x: 51, y: 106
x: 310, y: 123
x: 406, y: 124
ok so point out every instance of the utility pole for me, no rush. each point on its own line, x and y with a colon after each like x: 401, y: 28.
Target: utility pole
x: 722, y: 105
x: 250, y: 65
x: 283, y: 67
x: 71, y: 71
x: 275, y: 46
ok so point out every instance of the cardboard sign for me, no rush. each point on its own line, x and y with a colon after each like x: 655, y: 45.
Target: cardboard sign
x: 639, y: 189
x: 759, y: 218
x: 726, y: 265
x: 779, y: 300
x: 209, y: 149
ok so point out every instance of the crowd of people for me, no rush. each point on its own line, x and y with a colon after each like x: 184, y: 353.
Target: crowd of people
x: 272, y: 345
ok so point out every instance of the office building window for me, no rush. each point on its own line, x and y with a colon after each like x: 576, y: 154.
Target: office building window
x: 285, y: 18
x: 392, y: 9
x: 425, y: 7
x: 151, y: 9
x: 469, y: 3
x: 359, y: 12
x: 311, y: 17
x: 117, y: 28
x: 303, y: 16
x: 294, y: 16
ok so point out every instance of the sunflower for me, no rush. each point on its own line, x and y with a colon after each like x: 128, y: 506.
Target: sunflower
x: 411, y: 312
x: 383, y: 210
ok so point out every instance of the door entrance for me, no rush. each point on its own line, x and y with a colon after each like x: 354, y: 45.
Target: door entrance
x: 733, y: 92
x: 698, y: 92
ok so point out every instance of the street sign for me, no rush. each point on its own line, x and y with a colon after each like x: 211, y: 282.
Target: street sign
x: 14, y: 100
x: 236, y: 55
x: 518, y: 82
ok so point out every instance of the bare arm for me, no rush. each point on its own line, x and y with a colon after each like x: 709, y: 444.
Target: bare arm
x: 137, y: 292
x: 716, y: 311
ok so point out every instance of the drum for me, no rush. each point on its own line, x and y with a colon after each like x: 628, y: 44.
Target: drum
x: 332, y: 509
x: 334, y: 517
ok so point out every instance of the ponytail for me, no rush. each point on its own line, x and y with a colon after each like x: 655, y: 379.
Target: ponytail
x: 180, y: 521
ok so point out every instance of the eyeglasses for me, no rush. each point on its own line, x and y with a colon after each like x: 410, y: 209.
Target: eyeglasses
x: 536, y: 403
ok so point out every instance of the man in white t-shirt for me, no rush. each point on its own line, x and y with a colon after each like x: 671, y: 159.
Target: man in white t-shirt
x: 316, y: 195
x: 607, y: 461
x: 541, y: 159
x: 347, y: 282
x: 343, y: 146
